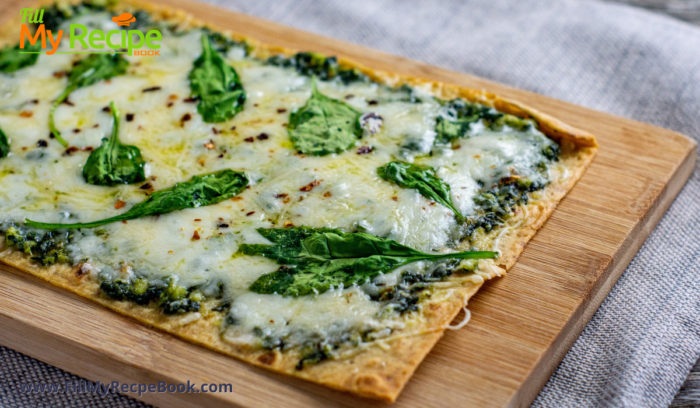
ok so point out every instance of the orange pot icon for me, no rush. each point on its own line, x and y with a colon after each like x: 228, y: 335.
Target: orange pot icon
x: 124, y: 20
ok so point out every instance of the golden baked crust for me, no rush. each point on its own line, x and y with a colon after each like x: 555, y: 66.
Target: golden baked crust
x: 380, y: 369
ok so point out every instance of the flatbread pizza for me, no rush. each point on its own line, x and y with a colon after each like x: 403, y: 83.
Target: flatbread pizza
x: 297, y: 211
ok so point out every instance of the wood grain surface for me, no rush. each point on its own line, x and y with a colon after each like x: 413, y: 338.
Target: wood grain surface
x: 522, y: 324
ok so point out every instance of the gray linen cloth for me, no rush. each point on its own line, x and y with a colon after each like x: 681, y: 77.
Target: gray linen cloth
x: 642, y: 342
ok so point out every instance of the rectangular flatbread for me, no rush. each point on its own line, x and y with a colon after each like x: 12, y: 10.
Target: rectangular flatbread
x: 300, y: 212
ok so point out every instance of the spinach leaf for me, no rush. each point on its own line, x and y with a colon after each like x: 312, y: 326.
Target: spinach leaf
x: 321, y: 258
x: 324, y: 125
x: 421, y: 178
x: 11, y: 60
x: 114, y: 163
x: 95, y: 68
x: 200, y: 191
x: 4, y: 145
x: 216, y: 84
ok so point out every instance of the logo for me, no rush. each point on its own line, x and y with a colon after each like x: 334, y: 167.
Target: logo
x: 124, y: 20
x: 113, y: 41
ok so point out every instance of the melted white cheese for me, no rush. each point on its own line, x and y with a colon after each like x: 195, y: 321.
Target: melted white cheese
x: 44, y: 184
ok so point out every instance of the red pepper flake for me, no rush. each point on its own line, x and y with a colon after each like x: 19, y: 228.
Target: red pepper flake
x: 236, y: 198
x: 169, y: 105
x: 87, y: 148
x: 190, y: 99
x: 152, y: 89
x: 70, y: 151
x: 395, y: 198
x: 372, y: 102
x: 195, y: 236
x: 310, y: 186
x: 125, y: 222
x: 24, y: 148
x: 288, y: 224
x: 197, y: 219
x: 119, y: 204
x: 364, y: 149
x: 33, y: 101
x: 146, y: 186
x: 107, y: 109
x: 222, y: 225
x: 96, y: 125
x: 249, y: 139
x: 262, y: 136
x: 59, y: 74
x: 76, y: 130
x: 185, y: 117
x: 210, y: 145
x: 129, y: 117
x: 172, y: 97
x: 327, y: 194
x: 26, y: 114
x: 215, y: 131
x: 281, y: 110
x: 283, y: 195
x: 250, y: 213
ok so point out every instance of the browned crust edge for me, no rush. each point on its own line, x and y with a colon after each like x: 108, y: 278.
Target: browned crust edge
x: 375, y: 372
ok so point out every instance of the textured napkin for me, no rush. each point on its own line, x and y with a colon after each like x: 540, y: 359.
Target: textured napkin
x: 640, y: 345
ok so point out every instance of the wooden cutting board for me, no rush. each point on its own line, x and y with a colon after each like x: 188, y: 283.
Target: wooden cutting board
x: 521, y: 326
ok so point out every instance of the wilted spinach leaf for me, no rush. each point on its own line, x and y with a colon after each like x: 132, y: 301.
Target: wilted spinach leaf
x: 421, y: 178
x: 200, y: 191
x: 95, y: 68
x: 11, y: 60
x: 316, y: 259
x: 456, y: 116
x: 4, y: 145
x: 324, y: 125
x: 216, y: 84
x: 223, y: 43
x: 114, y: 163
x: 320, y: 66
